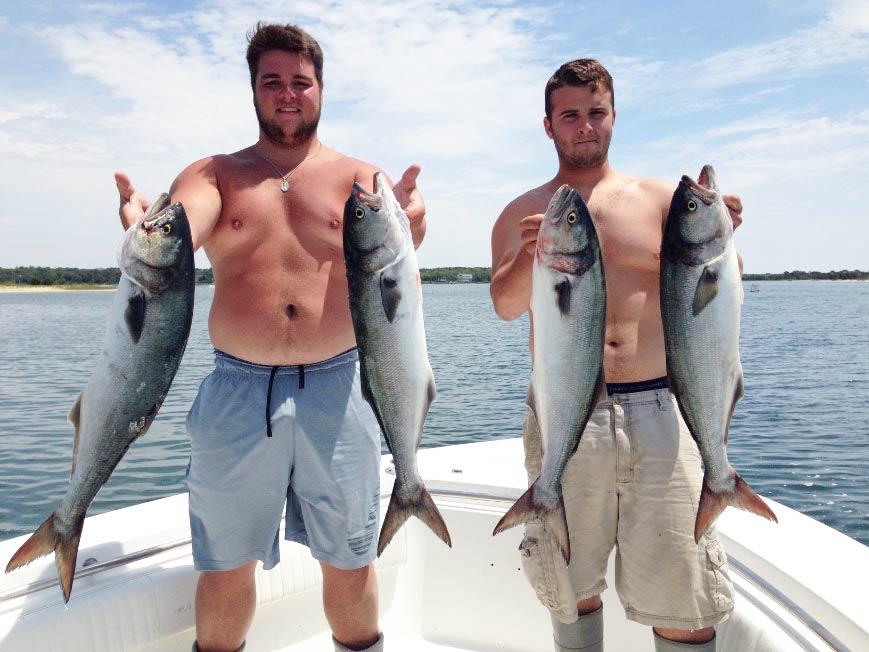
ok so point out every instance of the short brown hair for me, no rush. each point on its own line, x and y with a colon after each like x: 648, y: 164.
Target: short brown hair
x: 580, y: 72
x: 290, y: 38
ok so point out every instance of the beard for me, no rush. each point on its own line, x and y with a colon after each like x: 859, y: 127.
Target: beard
x: 581, y: 161
x: 276, y: 133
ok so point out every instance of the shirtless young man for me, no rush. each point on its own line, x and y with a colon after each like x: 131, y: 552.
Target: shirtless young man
x: 635, y: 479
x: 281, y: 419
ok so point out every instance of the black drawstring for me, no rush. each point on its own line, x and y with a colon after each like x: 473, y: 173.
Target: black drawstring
x: 269, y: 403
x: 301, y: 369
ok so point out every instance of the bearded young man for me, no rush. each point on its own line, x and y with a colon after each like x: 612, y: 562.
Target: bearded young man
x: 280, y: 424
x: 634, y: 481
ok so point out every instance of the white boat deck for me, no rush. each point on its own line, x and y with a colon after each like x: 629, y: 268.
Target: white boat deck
x: 799, y: 584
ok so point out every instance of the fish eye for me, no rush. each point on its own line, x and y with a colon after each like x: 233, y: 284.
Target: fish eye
x: 692, y: 205
x: 360, y: 213
x: 571, y: 218
x: 166, y: 228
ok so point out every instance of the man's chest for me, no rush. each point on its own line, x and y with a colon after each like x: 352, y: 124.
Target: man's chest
x: 308, y: 215
x: 629, y: 233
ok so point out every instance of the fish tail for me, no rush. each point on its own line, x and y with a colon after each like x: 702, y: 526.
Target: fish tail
x: 401, y: 508
x: 45, y: 540
x: 712, y: 503
x: 526, y: 509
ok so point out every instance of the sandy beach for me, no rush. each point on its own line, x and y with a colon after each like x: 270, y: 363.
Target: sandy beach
x: 5, y: 289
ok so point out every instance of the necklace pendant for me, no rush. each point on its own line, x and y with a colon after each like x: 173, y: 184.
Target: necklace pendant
x: 285, y: 185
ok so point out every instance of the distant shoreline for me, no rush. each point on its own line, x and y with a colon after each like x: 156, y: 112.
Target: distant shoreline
x: 19, y: 289
x: 13, y: 289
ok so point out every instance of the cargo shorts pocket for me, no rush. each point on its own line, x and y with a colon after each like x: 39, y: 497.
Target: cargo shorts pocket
x: 720, y: 587
x: 546, y: 570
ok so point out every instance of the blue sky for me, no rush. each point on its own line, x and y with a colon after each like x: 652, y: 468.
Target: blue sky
x: 773, y: 94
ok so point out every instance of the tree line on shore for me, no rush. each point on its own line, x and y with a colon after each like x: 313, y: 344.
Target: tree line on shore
x: 110, y: 275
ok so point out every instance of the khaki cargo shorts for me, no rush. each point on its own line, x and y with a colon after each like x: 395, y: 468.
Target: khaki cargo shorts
x: 633, y: 483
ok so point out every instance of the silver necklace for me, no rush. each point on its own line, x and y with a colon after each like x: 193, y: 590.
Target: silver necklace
x: 285, y: 185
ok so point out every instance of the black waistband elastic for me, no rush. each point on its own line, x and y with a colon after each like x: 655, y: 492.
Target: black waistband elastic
x: 641, y: 386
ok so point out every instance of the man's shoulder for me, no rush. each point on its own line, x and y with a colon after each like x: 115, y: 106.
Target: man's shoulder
x: 530, y: 203
x: 347, y: 168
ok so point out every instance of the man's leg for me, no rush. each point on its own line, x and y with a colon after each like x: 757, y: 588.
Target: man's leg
x: 225, y: 604
x: 350, y: 603
x: 683, y: 640
x: 586, y: 634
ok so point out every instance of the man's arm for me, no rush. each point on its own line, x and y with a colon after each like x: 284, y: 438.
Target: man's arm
x: 514, y: 241
x: 195, y: 188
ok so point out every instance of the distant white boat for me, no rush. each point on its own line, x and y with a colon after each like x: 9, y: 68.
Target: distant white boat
x: 755, y: 287
x: 800, y: 586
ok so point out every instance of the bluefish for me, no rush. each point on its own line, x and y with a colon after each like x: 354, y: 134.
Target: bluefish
x: 568, y: 317
x: 701, y: 299
x: 386, y: 307
x: 142, y: 348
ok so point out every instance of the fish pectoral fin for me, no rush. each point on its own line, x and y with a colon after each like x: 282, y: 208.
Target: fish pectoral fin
x: 562, y: 296
x: 75, y: 418
x: 390, y: 295
x: 134, y: 315
x: 707, y: 289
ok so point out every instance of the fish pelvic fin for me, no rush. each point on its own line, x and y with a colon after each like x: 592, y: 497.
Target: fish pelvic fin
x: 712, y: 503
x: 526, y: 509
x: 401, y: 508
x: 45, y: 540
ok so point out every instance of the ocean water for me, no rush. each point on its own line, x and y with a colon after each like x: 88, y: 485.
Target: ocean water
x: 799, y: 435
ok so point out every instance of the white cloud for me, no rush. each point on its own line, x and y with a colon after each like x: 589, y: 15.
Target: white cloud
x: 455, y: 85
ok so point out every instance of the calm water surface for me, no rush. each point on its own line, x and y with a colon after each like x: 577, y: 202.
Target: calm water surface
x: 799, y: 436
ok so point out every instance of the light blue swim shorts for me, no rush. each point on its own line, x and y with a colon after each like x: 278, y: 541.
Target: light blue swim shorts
x: 262, y: 437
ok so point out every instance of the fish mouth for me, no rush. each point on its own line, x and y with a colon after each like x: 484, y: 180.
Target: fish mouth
x: 707, y: 178
x: 371, y: 200
x: 706, y: 186
x: 562, y: 197
x: 156, y: 208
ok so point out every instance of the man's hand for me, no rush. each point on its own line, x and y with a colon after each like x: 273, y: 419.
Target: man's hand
x: 408, y: 194
x: 734, y: 207
x: 133, y: 203
x: 530, y: 227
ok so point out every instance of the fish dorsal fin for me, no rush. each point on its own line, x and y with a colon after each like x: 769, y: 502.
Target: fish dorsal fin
x: 134, y: 315
x: 707, y: 288
x: 75, y: 419
x: 390, y: 295
x: 562, y: 294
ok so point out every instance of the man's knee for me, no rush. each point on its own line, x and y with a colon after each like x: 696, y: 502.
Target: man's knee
x: 667, y: 640
x: 223, y: 581
x: 352, y: 576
